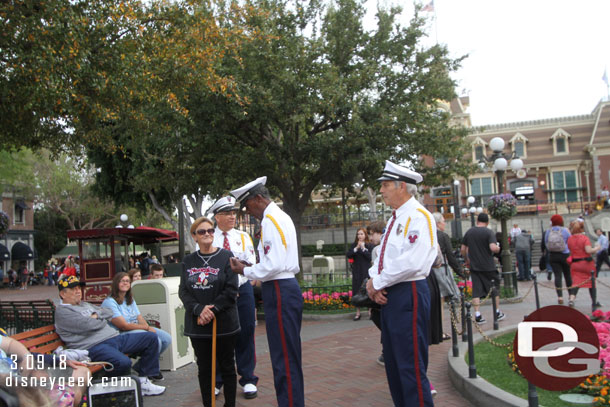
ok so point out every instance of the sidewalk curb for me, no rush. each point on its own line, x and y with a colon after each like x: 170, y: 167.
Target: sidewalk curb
x: 479, y: 391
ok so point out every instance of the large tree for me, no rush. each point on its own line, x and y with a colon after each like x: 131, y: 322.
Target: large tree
x: 328, y: 101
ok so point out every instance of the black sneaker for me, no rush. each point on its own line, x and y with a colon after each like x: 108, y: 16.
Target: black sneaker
x: 157, y: 378
x: 549, y: 275
x: 380, y: 360
x: 500, y: 316
x: 480, y: 319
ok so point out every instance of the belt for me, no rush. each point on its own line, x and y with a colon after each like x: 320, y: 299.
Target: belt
x: 582, y: 259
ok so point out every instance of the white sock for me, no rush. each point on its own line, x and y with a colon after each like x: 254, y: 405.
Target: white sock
x: 477, y: 314
x: 498, y: 311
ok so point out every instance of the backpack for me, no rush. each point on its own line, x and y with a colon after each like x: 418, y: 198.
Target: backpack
x: 555, y: 242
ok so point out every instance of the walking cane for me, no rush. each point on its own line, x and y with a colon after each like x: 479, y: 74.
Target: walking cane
x: 213, y: 361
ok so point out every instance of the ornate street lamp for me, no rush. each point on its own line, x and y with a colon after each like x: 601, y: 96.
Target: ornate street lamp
x: 500, y: 162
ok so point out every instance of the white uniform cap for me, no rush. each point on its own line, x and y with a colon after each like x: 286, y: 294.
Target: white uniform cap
x: 243, y: 193
x: 395, y: 172
x: 224, y: 204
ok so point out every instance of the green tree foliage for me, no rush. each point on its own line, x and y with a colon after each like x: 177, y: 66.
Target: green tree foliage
x: 328, y: 101
x: 50, y: 237
x: 71, y: 69
x: 322, y: 102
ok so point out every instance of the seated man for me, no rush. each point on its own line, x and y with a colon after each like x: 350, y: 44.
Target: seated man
x: 85, y: 326
x: 156, y: 271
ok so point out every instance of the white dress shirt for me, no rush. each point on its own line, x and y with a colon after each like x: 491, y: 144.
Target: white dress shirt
x: 411, y: 248
x: 277, y: 248
x: 241, y: 245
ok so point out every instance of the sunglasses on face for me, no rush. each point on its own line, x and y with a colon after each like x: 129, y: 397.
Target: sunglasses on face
x: 202, y: 232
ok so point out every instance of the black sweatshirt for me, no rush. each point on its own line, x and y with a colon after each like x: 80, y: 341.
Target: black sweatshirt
x: 214, y: 283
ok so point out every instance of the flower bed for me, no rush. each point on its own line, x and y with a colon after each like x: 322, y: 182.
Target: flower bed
x: 467, y: 289
x: 314, y: 300
x: 597, y: 385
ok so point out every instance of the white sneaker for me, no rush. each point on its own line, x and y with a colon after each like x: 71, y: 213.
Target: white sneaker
x: 216, y: 391
x: 150, y: 389
x: 250, y: 391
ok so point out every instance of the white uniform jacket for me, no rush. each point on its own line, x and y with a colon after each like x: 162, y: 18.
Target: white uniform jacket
x: 277, y: 249
x: 241, y: 245
x: 411, y: 248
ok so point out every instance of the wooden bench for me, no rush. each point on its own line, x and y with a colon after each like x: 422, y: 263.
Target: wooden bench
x: 45, y: 340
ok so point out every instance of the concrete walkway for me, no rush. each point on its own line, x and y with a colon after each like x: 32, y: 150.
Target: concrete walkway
x: 339, y: 357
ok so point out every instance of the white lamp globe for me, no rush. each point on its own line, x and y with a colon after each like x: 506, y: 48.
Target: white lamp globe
x: 464, y: 211
x: 472, y: 209
x: 130, y: 227
x: 471, y: 200
x: 456, y: 183
x: 479, y: 209
x: 123, y: 218
x: 501, y: 163
x: 516, y: 164
x: 496, y: 144
x: 118, y: 226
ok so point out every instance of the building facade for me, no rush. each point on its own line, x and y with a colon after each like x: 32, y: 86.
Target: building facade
x: 19, y: 240
x: 566, y: 163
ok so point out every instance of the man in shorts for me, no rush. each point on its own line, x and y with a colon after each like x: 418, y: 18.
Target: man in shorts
x: 478, y: 247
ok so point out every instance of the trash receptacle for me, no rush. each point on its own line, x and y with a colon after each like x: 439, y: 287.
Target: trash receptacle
x: 323, y: 265
x: 161, y: 307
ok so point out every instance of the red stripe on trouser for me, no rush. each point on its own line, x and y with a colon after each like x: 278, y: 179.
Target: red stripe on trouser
x: 420, y: 392
x: 283, y: 338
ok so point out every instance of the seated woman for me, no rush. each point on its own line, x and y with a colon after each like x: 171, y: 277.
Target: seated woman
x: 15, y: 356
x: 126, y: 315
x: 135, y: 274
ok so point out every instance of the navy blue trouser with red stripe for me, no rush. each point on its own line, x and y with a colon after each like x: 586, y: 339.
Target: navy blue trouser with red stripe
x: 283, y: 304
x: 404, y: 327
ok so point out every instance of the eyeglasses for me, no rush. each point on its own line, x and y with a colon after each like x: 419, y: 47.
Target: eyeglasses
x: 202, y: 232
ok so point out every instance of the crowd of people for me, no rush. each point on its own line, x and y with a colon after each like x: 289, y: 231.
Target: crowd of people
x: 406, y: 266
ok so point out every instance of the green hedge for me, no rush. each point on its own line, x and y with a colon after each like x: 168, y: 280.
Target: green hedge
x: 308, y: 250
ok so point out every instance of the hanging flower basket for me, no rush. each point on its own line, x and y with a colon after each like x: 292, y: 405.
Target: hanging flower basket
x: 4, y: 223
x: 502, y: 206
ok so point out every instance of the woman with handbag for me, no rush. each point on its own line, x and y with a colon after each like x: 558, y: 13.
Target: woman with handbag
x: 359, y: 255
x: 582, y: 261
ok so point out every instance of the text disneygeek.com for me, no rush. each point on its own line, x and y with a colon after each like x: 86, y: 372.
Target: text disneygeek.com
x: 63, y: 382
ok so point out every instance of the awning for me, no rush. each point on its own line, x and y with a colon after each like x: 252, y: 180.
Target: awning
x: 4, y: 253
x: 21, y: 204
x: 21, y: 251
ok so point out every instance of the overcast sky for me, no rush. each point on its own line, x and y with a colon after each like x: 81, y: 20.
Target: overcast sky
x: 528, y: 60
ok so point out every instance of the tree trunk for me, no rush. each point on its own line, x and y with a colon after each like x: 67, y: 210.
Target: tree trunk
x: 371, y: 195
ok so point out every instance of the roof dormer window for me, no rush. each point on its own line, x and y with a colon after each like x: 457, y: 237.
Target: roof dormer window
x: 519, y: 145
x: 560, y: 140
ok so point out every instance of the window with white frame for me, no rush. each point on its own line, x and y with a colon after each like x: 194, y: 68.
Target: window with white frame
x: 478, y: 149
x: 561, y: 145
x: 18, y: 215
x: 481, y: 186
x: 565, y: 186
x: 519, y: 145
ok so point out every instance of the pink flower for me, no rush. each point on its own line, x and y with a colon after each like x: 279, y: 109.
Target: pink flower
x: 598, y: 313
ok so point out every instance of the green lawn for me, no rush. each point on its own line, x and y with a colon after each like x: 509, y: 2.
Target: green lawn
x: 492, y: 365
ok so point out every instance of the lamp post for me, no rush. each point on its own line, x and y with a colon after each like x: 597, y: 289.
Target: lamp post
x: 457, y: 222
x: 500, y: 163
x: 472, y: 209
